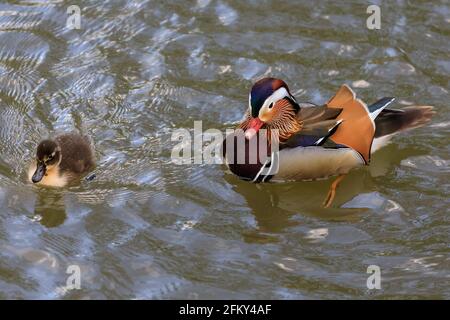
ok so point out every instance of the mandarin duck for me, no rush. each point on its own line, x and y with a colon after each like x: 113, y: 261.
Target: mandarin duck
x: 281, y: 139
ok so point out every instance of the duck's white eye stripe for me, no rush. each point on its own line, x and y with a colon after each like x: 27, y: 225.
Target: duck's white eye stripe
x: 280, y: 94
x: 277, y: 95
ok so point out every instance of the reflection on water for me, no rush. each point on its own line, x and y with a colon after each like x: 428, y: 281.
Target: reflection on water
x: 147, y: 228
x: 49, y: 208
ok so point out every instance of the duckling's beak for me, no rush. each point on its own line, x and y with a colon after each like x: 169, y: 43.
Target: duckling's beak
x: 39, y: 173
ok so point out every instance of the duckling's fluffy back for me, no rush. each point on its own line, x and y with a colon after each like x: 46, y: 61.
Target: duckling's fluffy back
x: 77, y: 153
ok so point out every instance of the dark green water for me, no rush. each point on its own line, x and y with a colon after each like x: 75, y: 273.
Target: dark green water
x: 147, y: 228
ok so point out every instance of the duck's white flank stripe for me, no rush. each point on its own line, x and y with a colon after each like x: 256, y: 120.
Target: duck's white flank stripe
x: 272, y: 162
x: 260, y: 171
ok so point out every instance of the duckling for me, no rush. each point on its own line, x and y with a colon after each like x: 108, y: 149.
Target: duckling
x: 61, y: 160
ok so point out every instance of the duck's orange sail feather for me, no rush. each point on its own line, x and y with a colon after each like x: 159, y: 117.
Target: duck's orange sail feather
x: 357, y: 129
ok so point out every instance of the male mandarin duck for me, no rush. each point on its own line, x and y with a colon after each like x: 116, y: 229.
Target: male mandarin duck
x: 313, y: 141
x: 61, y: 160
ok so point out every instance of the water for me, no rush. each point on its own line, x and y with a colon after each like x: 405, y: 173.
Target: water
x: 147, y: 228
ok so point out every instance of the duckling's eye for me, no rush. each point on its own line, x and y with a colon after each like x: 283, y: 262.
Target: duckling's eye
x: 271, y: 105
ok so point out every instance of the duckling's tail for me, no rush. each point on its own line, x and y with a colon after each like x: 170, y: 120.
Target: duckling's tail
x: 391, y: 121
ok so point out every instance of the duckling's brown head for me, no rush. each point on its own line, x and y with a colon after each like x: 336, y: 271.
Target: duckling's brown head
x: 48, y: 156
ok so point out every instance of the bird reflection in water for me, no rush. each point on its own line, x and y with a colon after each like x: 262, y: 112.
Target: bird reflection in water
x: 279, y: 206
x: 50, y: 207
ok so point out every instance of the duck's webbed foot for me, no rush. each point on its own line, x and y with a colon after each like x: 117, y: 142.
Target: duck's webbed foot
x: 332, y: 192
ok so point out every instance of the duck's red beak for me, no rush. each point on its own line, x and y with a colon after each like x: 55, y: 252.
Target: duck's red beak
x: 254, y: 124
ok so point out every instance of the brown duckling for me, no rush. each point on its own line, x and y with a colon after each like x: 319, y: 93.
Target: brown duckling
x: 62, y: 160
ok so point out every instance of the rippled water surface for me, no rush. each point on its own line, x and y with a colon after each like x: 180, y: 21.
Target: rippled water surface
x: 148, y: 228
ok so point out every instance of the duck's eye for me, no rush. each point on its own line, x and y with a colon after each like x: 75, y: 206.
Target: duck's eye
x: 271, y: 105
